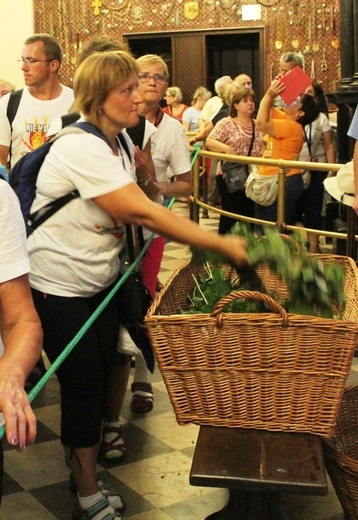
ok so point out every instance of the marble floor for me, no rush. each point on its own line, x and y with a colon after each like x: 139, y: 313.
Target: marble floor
x: 154, y: 477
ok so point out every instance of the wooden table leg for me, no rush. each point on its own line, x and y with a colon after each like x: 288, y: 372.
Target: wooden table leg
x: 250, y: 505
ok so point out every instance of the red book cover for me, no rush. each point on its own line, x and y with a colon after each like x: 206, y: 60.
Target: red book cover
x: 296, y: 82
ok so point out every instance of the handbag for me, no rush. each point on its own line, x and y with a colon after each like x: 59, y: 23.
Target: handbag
x: 235, y: 174
x: 262, y: 189
x: 134, y: 300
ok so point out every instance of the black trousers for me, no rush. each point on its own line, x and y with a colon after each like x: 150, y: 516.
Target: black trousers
x: 84, y: 374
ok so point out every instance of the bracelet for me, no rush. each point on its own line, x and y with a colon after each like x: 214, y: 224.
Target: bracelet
x: 145, y: 182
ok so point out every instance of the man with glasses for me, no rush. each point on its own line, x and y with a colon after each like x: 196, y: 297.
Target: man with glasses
x: 172, y: 162
x: 42, y: 99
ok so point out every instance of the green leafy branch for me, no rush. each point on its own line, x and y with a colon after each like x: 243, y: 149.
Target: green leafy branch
x: 314, y: 288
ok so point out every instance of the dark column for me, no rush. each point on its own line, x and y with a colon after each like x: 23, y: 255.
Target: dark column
x: 346, y: 96
x: 349, y: 45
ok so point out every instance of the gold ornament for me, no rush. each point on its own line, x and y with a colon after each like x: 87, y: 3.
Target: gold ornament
x: 191, y: 10
x: 96, y: 4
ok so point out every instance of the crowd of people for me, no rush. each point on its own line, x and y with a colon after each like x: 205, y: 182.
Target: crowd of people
x: 134, y: 161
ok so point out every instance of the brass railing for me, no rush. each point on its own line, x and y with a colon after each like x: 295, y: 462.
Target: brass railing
x: 283, y: 166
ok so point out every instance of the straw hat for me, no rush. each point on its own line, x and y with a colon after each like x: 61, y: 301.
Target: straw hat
x: 341, y: 187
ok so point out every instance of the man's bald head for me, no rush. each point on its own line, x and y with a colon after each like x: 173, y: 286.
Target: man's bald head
x: 244, y: 80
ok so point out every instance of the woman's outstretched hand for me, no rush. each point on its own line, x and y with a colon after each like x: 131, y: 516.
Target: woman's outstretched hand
x: 19, y: 418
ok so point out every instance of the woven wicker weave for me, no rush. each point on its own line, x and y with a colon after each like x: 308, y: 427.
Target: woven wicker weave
x: 341, y: 454
x: 265, y: 371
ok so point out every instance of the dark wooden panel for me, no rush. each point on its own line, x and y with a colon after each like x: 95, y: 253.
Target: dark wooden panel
x: 189, y: 63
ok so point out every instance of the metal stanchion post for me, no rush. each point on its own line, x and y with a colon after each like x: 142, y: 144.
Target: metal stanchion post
x: 205, y: 213
x: 194, y: 208
x: 281, y: 199
x: 351, y: 249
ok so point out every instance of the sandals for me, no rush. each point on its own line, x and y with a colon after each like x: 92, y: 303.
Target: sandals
x: 109, y: 492
x: 114, y: 450
x: 143, y: 399
x: 94, y: 511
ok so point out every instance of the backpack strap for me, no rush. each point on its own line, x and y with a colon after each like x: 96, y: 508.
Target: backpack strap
x: 70, y: 119
x: 12, y: 108
x: 39, y: 217
x: 123, y: 142
x: 13, y: 105
x: 136, y: 133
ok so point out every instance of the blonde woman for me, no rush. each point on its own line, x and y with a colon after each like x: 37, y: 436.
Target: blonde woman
x: 75, y: 261
x: 192, y: 114
x: 175, y: 108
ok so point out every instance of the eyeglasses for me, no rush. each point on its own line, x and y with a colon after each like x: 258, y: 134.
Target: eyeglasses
x: 31, y: 61
x: 159, y: 78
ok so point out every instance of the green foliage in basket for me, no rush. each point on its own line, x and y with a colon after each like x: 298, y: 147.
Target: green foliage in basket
x: 315, y: 288
x: 215, y: 285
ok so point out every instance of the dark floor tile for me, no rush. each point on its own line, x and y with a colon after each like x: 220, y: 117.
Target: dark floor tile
x: 56, y: 498
x: 44, y: 434
x: 11, y: 486
x: 140, y: 445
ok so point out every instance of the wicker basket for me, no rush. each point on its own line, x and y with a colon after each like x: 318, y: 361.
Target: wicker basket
x: 269, y: 371
x: 341, y: 454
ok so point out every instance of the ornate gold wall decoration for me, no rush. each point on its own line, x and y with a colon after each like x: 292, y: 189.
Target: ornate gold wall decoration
x: 310, y: 27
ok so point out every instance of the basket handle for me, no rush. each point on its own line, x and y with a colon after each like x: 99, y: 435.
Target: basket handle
x: 253, y: 295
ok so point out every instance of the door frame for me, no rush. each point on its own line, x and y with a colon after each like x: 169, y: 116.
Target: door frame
x: 261, y: 30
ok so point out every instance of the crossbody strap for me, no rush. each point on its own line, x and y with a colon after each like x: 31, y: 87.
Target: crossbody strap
x: 308, y: 139
x: 252, y: 139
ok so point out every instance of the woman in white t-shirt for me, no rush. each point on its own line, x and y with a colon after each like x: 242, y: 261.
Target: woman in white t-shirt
x: 318, y: 146
x: 74, y: 256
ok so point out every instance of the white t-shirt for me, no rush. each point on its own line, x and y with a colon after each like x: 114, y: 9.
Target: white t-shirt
x: 32, y: 121
x: 211, y: 108
x: 170, y: 149
x: 14, y: 259
x: 314, y: 135
x: 75, y: 252
x: 353, y: 129
x: 170, y: 153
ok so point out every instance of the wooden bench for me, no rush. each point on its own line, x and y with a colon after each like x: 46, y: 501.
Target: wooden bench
x: 257, y: 466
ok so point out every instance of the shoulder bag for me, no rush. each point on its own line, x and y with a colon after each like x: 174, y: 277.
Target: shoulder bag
x: 234, y: 173
x: 262, y: 189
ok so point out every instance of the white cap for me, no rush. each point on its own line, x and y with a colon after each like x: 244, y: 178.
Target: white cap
x: 341, y: 187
